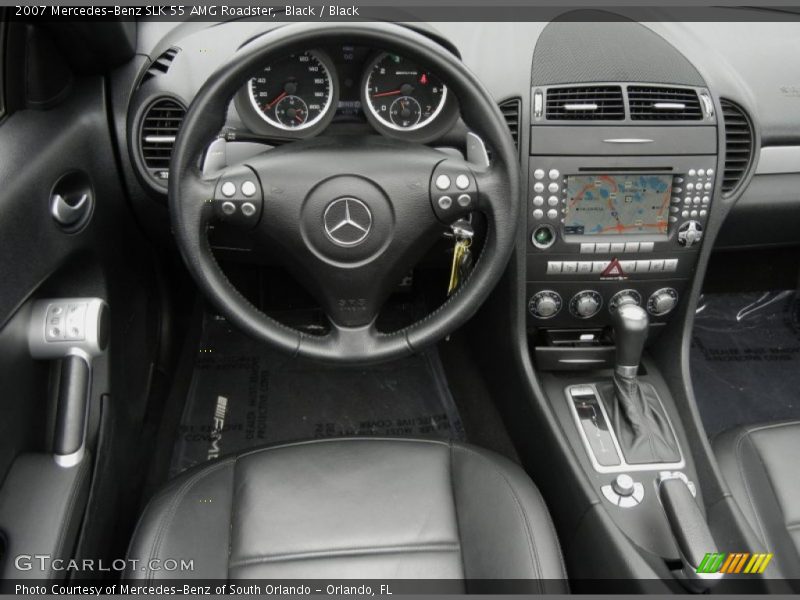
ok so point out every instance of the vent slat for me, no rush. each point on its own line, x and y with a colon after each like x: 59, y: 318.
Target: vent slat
x: 510, y: 110
x: 738, y: 146
x: 664, y: 104
x: 161, y: 123
x: 589, y: 103
x: 160, y: 65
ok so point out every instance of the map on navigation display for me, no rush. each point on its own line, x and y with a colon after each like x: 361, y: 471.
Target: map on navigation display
x: 617, y: 204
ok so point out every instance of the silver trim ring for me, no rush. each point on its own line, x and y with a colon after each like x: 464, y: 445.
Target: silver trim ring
x: 347, y: 221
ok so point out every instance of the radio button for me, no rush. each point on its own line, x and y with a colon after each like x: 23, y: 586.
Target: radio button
x: 706, y: 200
x: 584, y: 266
x: 598, y: 266
x: 692, y: 172
x: 552, y: 213
x: 674, y: 209
x: 552, y: 201
x: 628, y: 266
x: 538, y: 213
x: 703, y: 213
x: 552, y: 187
x: 710, y: 172
x: 684, y: 214
x: 689, y: 187
x: 553, y: 174
x: 553, y: 267
x: 670, y: 265
x: 656, y: 266
x: 538, y: 187
x: 701, y: 172
x: 631, y: 246
x: 677, y: 190
x: 676, y: 200
x: 687, y: 200
x: 673, y: 219
x: 693, y: 214
x: 696, y: 200
x: 646, y: 247
x: 679, y: 180
x: 601, y: 248
x: 642, y: 266
x: 707, y: 186
x: 569, y: 267
x: 617, y: 247
x: 587, y: 248
x: 538, y: 201
x: 538, y: 174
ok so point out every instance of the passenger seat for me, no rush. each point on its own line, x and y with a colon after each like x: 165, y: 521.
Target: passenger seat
x: 761, y: 464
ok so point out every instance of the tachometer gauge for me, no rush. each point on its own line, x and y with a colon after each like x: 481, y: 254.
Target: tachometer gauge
x: 402, y: 95
x: 293, y: 93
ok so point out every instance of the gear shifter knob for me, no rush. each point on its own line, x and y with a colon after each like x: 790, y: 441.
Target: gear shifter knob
x: 630, y: 332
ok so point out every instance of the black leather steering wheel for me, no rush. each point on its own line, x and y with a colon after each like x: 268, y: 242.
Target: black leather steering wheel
x: 383, y: 190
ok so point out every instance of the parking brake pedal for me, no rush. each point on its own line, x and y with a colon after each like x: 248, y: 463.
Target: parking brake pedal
x: 74, y: 331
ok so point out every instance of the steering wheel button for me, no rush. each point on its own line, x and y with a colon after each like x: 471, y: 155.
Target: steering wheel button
x: 228, y: 208
x: 228, y: 189
x: 462, y: 182
x: 248, y: 189
x: 464, y: 200
x: 445, y: 202
x: 442, y: 182
x: 248, y: 209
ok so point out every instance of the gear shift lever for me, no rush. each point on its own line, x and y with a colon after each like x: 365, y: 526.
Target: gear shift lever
x: 630, y: 332
x: 638, y: 417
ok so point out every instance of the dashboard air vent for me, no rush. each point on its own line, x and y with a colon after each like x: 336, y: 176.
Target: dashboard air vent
x: 664, y: 104
x: 738, y: 145
x: 511, y: 110
x: 159, y: 129
x: 592, y: 103
x: 160, y: 65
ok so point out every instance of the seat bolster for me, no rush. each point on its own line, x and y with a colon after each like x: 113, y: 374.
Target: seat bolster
x: 506, y: 531
x: 190, y: 520
x: 759, y: 464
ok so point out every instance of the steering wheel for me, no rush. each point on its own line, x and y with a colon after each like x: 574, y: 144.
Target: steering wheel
x: 353, y: 214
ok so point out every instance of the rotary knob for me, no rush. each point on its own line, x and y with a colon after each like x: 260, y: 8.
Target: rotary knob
x: 585, y: 304
x: 662, y: 301
x: 623, y: 485
x: 545, y: 304
x: 690, y: 233
x: 624, y: 297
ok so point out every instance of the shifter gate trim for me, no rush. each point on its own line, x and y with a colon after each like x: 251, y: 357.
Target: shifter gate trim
x: 624, y: 467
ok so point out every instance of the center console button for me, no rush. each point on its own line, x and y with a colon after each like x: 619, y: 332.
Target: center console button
x: 543, y: 236
x: 656, y: 266
x: 623, y: 484
x: 538, y: 201
x: 631, y: 246
x: 584, y: 266
x: 553, y: 174
x: 538, y: 213
x: 538, y: 187
x: 538, y: 174
x: 617, y: 247
x: 587, y: 248
x: 552, y: 187
x: 598, y: 266
x: 569, y: 266
x: 553, y: 267
x: 646, y: 246
x: 552, y: 213
x: 552, y: 201
x: 601, y: 248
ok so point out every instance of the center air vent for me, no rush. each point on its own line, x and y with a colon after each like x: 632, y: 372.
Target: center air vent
x: 159, y: 129
x: 664, y: 104
x: 510, y: 110
x: 585, y: 103
x: 738, y: 146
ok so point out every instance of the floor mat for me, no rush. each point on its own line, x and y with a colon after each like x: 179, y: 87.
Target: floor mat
x: 745, y: 359
x: 244, y: 394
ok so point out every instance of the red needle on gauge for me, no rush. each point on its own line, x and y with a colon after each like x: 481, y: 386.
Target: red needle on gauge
x: 392, y: 93
x: 276, y: 100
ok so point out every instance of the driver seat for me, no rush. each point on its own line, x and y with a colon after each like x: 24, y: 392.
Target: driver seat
x: 355, y: 508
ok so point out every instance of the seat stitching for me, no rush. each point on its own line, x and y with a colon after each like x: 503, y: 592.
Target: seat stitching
x: 455, y: 508
x: 167, y: 517
x: 533, y: 554
x: 354, y: 551
x: 739, y: 459
x: 337, y: 440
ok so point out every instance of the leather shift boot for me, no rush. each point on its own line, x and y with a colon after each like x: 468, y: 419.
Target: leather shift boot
x: 639, y: 421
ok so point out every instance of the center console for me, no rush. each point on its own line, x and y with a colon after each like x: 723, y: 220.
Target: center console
x: 621, y: 225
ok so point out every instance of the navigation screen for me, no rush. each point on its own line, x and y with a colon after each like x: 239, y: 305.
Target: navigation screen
x: 617, y: 204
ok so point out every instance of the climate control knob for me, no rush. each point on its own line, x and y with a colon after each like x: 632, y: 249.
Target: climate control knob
x: 585, y: 304
x: 545, y: 304
x: 624, y: 297
x: 662, y: 301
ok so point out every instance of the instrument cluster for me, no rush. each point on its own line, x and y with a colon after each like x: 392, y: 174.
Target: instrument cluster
x: 300, y: 95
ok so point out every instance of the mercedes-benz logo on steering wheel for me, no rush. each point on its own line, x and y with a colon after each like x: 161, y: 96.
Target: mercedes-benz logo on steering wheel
x: 347, y: 221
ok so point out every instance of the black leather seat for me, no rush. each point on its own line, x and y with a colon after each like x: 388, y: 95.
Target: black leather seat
x: 760, y: 464
x: 354, y: 508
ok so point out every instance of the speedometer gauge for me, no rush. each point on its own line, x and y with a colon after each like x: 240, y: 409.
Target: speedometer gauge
x: 293, y: 93
x: 401, y: 94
